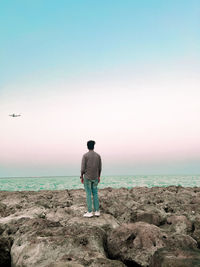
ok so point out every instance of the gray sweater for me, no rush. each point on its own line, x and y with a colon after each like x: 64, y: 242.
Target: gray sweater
x: 91, y: 165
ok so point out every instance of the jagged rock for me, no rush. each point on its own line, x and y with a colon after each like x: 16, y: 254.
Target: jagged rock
x: 3, y: 209
x: 47, y: 228
x: 181, y: 241
x: 105, y: 221
x: 135, y: 242
x: 180, y: 224
x: 2, y: 228
x: 118, y: 208
x: 166, y: 257
x: 99, y: 262
x: 65, y: 264
x: 41, y: 242
x: 5, y: 258
x: 149, y: 214
x: 196, y: 233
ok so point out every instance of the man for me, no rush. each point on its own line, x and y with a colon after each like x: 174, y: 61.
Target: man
x: 91, y: 169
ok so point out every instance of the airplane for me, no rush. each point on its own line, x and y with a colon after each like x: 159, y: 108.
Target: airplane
x: 15, y: 115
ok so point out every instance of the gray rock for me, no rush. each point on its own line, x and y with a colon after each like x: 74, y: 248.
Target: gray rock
x: 135, y: 242
x: 180, y: 224
x: 166, y: 257
x: 5, y: 245
x: 136, y: 227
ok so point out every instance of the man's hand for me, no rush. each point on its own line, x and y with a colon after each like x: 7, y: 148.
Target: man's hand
x: 81, y: 177
x: 99, y: 180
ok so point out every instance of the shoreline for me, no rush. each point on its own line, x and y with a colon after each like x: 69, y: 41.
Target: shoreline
x: 99, y: 189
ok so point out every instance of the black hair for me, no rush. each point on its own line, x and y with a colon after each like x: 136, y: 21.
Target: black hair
x: 90, y: 144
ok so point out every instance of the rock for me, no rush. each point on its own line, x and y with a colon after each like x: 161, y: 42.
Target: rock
x: 136, y: 226
x: 99, y: 262
x: 2, y: 228
x: 105, y: 221
x: 180, y: 224
x: 41, y: 242
x: 119, y: 207
x: 196, y: 233
x: 5, y: 258
x: 149, y: 217
x: 135, y: 242
x: 65, y: 264
x: 3, y: 209
x: 148, y: 214
x: 180, y: 241
x: 166, y: 257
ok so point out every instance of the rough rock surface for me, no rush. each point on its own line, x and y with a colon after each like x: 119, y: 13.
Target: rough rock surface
x: 175, y: 258
x: 138, y: 227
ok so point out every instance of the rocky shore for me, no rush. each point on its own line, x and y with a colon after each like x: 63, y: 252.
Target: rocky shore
x: 155, y: 227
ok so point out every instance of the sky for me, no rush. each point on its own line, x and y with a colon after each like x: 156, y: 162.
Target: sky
x: 122, y: 73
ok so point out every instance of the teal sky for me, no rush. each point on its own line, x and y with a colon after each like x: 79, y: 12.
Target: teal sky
x: 124, y: 73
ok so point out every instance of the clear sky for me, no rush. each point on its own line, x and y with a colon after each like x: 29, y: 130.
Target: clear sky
x: 122, y: 73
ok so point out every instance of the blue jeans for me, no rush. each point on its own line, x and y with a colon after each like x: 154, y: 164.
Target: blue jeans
x: 91, y: 189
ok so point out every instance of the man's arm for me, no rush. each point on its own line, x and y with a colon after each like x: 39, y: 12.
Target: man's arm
x: 82, y: 167
x: 100, y: 168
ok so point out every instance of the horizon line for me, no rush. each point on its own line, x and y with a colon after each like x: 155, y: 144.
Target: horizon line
x: 54, y: 176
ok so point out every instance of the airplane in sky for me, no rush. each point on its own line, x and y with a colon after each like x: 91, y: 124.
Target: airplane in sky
x: 15, y: 115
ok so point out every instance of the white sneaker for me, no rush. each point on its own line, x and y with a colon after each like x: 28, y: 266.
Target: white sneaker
x: 97, y: 213
x: 88, y: 214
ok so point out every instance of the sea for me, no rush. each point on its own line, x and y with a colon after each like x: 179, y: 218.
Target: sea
x: 73, y: 182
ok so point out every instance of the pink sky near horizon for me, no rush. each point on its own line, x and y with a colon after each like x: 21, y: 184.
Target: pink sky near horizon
x: 123, y: 73
x: 151, y: 122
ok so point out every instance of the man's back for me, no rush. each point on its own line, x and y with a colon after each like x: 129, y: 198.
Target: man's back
x: 91, y: 165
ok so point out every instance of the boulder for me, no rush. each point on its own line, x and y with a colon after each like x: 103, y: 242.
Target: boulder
x: 41, y: 242
x: 47, y: 228
x: 135, y: 242
x: 5, y: 257
x: 3, y: 211
x: 181, y: 241
x: 179, y: 224
x: 149, y: 214
x: 196, y: 233
x: 166, y: 257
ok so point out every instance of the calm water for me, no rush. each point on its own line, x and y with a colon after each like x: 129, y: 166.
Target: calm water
x: 73, y: 182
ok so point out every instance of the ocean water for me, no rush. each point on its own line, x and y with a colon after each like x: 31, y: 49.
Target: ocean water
x: 73, y: 182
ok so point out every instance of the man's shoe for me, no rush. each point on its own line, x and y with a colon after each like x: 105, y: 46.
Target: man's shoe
x: 97, y: 213
x: 88, y: 214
